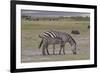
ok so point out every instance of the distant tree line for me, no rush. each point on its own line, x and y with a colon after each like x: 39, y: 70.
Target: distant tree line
x: 77, y: 18
x: 80, y: 18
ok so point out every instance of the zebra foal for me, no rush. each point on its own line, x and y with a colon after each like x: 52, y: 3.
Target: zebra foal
x: 46, y: 41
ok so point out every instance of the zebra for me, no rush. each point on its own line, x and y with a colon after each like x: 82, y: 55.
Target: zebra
x: 63, y: 36
x: 46, y: 41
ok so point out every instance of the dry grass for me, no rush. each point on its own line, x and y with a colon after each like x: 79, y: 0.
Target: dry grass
x: 30, y: 39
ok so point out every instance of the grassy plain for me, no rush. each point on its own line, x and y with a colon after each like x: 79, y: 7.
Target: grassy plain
x: 30, y: 40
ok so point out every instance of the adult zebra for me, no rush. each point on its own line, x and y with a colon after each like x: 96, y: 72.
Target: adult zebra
x: 63, y: 38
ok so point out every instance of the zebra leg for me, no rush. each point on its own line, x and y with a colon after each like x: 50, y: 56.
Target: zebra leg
x: 54, y: 49
x: 63, y: 49
x: 47, y: 49
x: 43, y: 50
x: 60, y: 49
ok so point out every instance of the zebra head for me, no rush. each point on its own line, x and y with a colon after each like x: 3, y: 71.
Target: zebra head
x: 74, y: 50
x: 72, y: 42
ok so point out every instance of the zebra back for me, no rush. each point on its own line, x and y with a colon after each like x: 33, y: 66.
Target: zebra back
x: 62, y: 35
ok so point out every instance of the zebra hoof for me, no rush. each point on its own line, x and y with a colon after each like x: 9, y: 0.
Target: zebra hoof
x: 48, y: 54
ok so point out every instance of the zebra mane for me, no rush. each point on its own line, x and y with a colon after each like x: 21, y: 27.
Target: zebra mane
x: 71, y: 39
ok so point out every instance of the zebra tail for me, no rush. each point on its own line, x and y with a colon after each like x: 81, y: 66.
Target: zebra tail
x: 40, y: 43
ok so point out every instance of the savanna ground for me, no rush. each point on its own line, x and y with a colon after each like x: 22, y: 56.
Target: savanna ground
x: 30, y: 40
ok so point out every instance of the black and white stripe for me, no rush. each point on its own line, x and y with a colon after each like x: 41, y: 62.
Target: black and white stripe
x: 62, y: 38
x: 46, y: 41
x: 50, y: 34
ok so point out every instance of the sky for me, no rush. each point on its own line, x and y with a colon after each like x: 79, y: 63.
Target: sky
x: 38, y: 13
